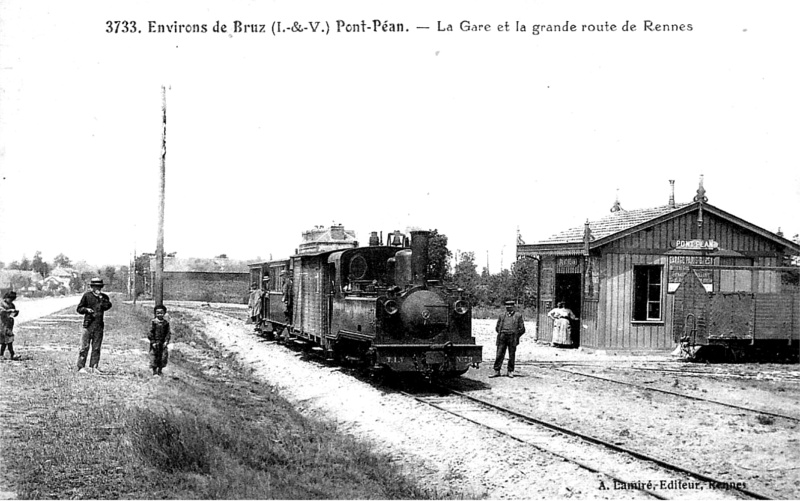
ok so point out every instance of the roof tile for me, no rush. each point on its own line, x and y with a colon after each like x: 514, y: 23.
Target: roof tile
x: 614, y: 223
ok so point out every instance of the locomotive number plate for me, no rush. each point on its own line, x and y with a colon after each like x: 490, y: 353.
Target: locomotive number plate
x: 434, y: 357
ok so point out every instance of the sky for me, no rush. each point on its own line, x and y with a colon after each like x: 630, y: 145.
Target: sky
x: 476, y: 134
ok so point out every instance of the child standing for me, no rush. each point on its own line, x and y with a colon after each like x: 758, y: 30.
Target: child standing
x: 159, y: 339
x: 7, y: 313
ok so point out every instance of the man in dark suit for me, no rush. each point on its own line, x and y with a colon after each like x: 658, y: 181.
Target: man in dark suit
x: 92, y: 306
x: 510, y: 326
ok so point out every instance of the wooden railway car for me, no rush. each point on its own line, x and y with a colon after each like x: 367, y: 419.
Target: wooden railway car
x: 373, y: 304
x: 754, y: 314
x: 272, y: 305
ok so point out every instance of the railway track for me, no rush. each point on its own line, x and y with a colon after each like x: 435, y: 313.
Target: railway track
x: 668, y: 392
x: 626, y: 469
x: 622, y: 468
x: 678, y: 394
x: 668, y: 368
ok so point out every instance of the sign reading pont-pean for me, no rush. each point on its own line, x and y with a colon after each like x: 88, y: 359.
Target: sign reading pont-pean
x: 697, y: 244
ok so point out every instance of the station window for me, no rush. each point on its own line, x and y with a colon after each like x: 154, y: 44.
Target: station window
x: 647, y: 293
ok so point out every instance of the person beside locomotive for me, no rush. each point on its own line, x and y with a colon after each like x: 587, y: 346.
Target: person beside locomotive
x: 510, y: 327
x: 562, y: 328
x: 92, y: 306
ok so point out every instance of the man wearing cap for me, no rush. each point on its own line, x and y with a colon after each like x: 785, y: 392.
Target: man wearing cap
x: 510, y: 326
x: 92, y: 306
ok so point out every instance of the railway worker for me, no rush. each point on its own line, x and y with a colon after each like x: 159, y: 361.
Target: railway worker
x: 510, y: 327
x: 159, y: 338
x: 92, y: 306
x: 288, y: 295
x: 7, y: 313
x: 562, y: 329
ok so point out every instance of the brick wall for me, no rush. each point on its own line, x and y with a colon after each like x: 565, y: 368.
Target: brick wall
x: 214, y: 287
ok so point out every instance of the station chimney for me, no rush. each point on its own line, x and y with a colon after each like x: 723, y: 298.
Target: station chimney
x: 671, y: 193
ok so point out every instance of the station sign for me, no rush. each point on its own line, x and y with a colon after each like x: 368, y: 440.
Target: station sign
x: 696, y: 244
x: 679, y: 265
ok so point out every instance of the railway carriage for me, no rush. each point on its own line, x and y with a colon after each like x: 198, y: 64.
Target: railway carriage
x: 374, y: 304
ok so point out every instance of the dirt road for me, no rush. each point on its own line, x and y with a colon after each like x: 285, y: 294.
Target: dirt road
x: 31, y: 309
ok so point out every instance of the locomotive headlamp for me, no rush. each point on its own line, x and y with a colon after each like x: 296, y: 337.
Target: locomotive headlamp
x: 461, y: 306
x: 390, y: 307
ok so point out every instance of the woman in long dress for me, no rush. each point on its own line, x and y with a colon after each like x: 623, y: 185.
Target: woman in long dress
x: 562, y: 331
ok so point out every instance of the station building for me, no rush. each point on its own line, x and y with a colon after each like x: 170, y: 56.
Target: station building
x: 619, y: 274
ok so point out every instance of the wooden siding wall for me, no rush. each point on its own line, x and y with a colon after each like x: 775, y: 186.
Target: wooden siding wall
x: 777, y: 316
x: 544, y: 324
x: 588, y: 323
x: 614, y: 322
x: 547, y: 285
x: 661, y: 238
x: 311, y: 299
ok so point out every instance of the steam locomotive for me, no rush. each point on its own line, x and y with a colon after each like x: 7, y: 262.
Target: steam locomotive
x: 374, y: 304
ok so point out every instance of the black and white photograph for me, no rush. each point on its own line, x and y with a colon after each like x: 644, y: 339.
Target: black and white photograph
x: 399, y: 250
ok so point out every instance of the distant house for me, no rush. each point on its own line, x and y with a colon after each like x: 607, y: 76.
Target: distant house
x: 61, y: 278
x: 218, y: 280
x: 21, y: 281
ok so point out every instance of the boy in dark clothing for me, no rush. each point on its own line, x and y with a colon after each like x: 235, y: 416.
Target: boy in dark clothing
x: 159, y: 339
x: 7, y: 313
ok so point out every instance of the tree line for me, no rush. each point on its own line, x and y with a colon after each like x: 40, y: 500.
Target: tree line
x: 483, y: 289
x: 80, y: 272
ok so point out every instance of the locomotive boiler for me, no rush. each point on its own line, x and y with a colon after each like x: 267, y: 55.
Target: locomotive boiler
x: 374, y: 304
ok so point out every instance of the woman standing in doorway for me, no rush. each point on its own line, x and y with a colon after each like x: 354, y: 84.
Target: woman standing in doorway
x: 562, y: 330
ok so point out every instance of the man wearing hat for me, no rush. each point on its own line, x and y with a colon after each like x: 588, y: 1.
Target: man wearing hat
x: 92, y: 306
x: 510, y: 326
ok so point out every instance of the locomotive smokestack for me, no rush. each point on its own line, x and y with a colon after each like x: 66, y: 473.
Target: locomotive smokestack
x: 419, y: 256
x: 373, y: 239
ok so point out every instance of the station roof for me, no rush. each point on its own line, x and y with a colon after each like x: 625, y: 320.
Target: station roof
x: 611, y: 224
x: 622, y: 223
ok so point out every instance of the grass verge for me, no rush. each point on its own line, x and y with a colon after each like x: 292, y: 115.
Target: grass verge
x: 206, y: 429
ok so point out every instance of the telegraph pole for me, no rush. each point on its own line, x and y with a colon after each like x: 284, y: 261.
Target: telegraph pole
x: 158, y: 286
